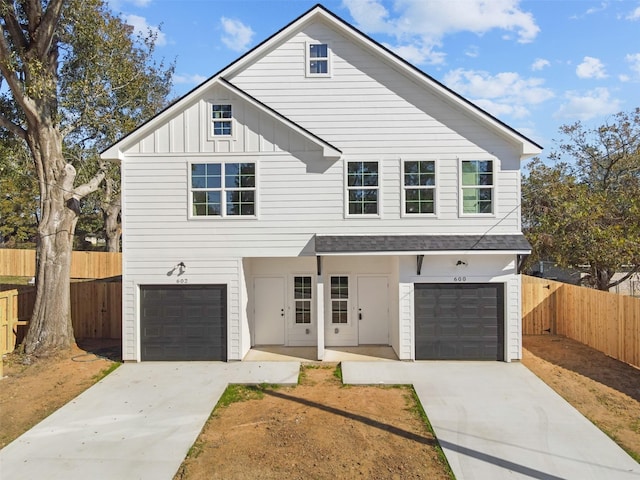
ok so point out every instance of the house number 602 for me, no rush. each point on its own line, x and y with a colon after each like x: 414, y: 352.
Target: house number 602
x: 182, y: 280
x: 459, y: 279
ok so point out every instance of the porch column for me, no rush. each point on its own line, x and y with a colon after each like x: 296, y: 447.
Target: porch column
x: 320, y: 315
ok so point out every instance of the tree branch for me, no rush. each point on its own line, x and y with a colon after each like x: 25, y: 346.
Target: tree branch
x: 625, y: 277
x: 13, y: 26
x: 47, y: 26
x: 92, y: 185
x: 17, y: 130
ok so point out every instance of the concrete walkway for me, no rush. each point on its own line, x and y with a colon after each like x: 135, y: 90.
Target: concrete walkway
x: 498, y: 420
x: 137, y: 423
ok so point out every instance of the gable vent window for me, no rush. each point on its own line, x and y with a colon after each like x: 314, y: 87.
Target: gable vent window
x: 222, y: 120
x: 318, y: 64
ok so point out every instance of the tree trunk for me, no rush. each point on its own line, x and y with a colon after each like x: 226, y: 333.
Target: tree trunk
x: 111, y: 213
x: 50, y: 328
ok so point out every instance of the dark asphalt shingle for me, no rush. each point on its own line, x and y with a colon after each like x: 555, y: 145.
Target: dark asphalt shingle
x: 418, y: 243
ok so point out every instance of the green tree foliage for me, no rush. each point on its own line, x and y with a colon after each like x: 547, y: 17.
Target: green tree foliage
x: 72, y: 80
x: 18, y: 196
x: 584, y: 210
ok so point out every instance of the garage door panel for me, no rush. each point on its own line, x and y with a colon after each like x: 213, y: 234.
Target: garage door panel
x: 459, y: 321
x: 181, y: 322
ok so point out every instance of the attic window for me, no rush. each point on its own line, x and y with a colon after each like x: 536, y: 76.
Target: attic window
x: 318, y: 64
x: 222, y: 120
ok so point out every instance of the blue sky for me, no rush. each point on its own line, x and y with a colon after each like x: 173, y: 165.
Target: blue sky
x: 536, y: 65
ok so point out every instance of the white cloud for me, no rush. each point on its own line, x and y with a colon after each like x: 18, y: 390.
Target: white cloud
x: 634, y: 63
x: 506, y: 93
x: 189, y: 79
x: 635, y: 15
x: 417, y: 54
x: 539, y: 64
x: 591, y: 68
x: 140, y: 26
x: 237, y: 36
x: 585, y: 106
x: 422, y: 25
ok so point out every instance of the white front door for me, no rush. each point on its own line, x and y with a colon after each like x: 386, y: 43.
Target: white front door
x: 373, y: 310
x: 269, y: 313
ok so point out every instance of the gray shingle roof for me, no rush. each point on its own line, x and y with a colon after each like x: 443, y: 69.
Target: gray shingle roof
x: 418, y: 243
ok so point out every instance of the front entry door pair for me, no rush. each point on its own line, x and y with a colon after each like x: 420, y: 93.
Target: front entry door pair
x: 371, y: 316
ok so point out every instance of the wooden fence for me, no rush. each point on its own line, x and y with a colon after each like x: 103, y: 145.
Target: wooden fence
x: 96, y: 312
x: 605, y: 321
x: 22, y: 263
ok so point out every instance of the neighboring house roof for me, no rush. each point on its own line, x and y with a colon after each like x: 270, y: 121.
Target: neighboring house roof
x: 336, y: 244
x: 528, y: 147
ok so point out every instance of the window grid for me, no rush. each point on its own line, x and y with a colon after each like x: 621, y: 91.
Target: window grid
x: 419, y: 179
x: 339, y: 299
x: 233, y: 196
x: 222, y: 120
x: 477, y: 186
x: 362, y: 188
x: 318, y: 61
x: 302, y: 292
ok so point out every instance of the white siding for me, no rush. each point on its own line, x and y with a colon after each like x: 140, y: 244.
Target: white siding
x: 368, y: 110
x: 157, y: 271
x: 479, y: 268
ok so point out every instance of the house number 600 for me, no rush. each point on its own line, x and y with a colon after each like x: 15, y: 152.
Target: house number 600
x: 459, y: 279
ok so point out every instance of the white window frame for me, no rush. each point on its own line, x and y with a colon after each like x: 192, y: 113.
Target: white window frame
x: 231, y: 120
x: 347, y: 300
x: 308, y: 59
x: 405, y: 187
x: 222, y: 189
x: 348, y: 188
x: 492, y: 187
x: 311, y: 300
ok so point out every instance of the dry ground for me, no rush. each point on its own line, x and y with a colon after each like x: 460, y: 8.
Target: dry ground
x: 321, y: 429
x: 318, y: 429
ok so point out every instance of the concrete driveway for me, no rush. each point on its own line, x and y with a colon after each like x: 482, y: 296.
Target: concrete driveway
x: 498, y: 420
x: 137, y: 423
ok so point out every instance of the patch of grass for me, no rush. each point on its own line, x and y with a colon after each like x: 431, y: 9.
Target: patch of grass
x: 99, y: 376
x: 415, y: 407
x: 338, y: 373
x: 241, y: 393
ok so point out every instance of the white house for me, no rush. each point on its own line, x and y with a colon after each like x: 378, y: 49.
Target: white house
x: 321, y: 191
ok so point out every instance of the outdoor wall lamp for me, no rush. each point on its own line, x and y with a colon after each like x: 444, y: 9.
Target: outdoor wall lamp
x: 181, y: 267
x: 460, y: 262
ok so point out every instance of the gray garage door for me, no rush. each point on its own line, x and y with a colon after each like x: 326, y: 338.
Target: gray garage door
x: 180, y: 322
x: 459, y: 321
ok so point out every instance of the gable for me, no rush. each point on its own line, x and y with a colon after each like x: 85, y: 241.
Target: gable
x: 170, y: 131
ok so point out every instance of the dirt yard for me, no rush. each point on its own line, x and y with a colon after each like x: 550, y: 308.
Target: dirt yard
x: 318, y: 429
x: 328, y: 429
